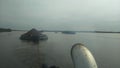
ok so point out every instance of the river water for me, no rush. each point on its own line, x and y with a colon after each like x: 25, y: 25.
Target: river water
x: 15, y: 53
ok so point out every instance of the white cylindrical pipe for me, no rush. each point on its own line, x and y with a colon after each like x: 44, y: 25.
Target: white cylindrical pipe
x: 82, y: 57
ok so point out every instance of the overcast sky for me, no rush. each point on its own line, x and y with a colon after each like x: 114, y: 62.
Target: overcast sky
x: 60, y: 14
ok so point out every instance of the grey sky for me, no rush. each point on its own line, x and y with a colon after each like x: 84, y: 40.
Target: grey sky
x: 60, y: 14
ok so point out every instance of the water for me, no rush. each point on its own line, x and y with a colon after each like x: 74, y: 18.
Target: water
x: 15, y: 53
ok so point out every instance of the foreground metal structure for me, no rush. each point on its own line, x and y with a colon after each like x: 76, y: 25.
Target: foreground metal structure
x: 82, y: 57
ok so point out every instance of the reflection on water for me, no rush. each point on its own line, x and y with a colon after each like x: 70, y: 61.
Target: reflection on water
x: 30, y: 55
x: 15, y: 53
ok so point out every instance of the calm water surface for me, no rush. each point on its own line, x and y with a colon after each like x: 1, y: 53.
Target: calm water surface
x: 15, y: 53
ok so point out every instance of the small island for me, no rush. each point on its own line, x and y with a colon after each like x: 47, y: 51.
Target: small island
x: 33, y: 35
x: 68, y: 32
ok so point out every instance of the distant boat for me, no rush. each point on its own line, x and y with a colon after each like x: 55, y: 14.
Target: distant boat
x: 68, y: 32
x: 33, y: 35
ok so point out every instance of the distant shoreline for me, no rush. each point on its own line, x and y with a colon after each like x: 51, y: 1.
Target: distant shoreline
x: 5, y: 30
x: 9, y: 30
x: 73, y: 31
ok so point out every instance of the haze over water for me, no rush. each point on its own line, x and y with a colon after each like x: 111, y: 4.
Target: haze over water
x: 60, y: 14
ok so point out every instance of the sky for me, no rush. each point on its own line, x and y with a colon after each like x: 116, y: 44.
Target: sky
x: 60, y: 14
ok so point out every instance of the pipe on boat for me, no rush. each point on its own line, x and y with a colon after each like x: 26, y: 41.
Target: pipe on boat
x: 82, y: 57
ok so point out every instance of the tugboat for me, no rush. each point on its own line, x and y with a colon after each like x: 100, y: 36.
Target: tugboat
x: 43, y: 37
x: 33, y: 35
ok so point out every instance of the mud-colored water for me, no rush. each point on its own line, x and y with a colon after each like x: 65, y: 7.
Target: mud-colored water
x: 15, y: 53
